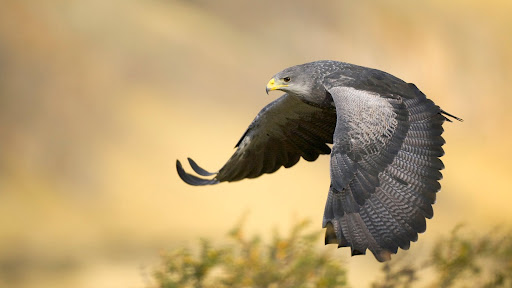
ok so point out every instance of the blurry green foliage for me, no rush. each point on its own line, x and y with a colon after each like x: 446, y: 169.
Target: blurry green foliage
x: 288, y: 261
x: 473, y: 261
x: 396, y: 274
x: 457, y: 260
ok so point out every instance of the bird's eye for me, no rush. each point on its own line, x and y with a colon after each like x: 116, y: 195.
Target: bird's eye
x: 286, y: 79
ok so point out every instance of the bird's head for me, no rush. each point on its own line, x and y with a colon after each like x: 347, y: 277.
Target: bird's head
x: 297, y: 80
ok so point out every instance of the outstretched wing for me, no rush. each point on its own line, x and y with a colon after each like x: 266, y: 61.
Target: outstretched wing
x: 385, y: 169
x: 281, y: 133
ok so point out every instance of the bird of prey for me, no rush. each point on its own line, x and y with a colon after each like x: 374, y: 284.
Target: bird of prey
x: 386, y: 144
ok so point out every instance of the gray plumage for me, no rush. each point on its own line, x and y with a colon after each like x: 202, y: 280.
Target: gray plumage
x: 385, y: 166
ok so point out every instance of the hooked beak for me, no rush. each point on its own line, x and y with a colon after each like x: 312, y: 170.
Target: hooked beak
x: 272, y: 85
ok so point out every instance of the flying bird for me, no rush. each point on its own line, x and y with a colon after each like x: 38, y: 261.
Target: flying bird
x: 386, y: 144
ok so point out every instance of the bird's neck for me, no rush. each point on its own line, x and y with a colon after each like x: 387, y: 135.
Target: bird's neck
x: 320, y: 98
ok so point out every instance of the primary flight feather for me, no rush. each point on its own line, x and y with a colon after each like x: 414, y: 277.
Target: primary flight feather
x: 385, y: 166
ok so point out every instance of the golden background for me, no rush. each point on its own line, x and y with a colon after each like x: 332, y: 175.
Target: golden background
x: 99, y: 98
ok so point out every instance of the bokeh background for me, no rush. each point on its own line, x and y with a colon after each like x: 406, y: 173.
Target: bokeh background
x: 99, y: 98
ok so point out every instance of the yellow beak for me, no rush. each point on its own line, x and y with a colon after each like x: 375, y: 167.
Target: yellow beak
x: 272, y: 85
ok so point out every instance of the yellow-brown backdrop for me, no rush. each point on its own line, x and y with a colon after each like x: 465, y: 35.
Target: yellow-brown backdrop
x: 99, y: 98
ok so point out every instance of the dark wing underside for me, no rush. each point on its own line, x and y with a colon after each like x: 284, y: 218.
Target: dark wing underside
x: 283, y: 132
x: 385, y: 169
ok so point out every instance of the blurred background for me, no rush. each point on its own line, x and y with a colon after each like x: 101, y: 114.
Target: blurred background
x: 99, y: 98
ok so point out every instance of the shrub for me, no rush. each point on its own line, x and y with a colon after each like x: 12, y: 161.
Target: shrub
x: 457, y: 260
x: 288, y: 261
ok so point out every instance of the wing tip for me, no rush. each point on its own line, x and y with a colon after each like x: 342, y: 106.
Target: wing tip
x: 330, y: 234
x: 198, y: 168
x: 331, y: 237
x: 192, y: 179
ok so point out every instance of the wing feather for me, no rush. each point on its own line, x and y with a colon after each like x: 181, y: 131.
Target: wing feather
x: 385, y: 169
x: 283, y: 132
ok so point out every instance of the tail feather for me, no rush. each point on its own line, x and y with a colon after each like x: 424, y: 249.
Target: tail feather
x: 444, y: 113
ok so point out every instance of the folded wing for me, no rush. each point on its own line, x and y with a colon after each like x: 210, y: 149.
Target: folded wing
x: 283, y: 132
